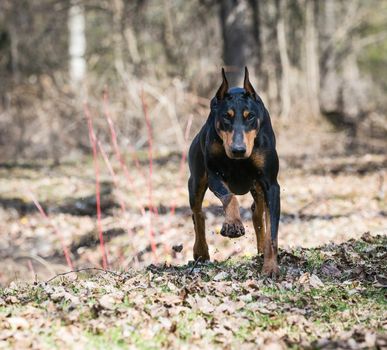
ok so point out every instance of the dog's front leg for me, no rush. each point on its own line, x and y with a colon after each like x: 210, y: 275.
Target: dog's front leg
x: 272, y: 215
x: 232, y: 226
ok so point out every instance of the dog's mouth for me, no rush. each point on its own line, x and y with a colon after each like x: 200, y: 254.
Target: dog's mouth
x: 239, y: 156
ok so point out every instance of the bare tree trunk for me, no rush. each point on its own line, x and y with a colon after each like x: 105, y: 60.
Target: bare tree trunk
x: 14, y: 51
x: 129, y: 33
x: 233, y: 19
x: 285, y: 65
x: 329, y: 82
x: 311, y: 55
x: 170, y: 41
x: 271, y: 60
x: 118, y: 45
x: 257, y: 32
x: 15, y: 34
x: 136, y: 10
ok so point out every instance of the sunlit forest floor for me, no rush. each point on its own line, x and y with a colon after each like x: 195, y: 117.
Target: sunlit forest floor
x: 327, y: 196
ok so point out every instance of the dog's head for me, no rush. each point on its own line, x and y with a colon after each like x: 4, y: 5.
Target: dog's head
x: 238, y: 114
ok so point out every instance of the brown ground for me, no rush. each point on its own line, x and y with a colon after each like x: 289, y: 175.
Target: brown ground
x: 327, y: 195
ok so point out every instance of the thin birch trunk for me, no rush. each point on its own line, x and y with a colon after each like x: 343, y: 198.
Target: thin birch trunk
x: 77, y: 44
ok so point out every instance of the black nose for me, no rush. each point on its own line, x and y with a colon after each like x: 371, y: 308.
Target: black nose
x: 238, y: 150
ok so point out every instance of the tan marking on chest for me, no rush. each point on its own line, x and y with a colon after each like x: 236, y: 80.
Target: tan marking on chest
x: 258, y: 159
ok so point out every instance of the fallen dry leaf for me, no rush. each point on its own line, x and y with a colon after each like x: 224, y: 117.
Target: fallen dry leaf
x: 221, y: 276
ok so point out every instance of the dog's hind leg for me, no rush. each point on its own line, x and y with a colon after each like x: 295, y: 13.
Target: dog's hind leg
x: 258, y: 209
x: 197, y: 187
x: 272, y: 215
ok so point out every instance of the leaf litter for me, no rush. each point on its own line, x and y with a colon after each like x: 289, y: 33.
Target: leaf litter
x: 328, y: 297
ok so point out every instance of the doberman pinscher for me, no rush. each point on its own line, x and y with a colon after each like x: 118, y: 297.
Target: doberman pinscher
x: 234, y: 153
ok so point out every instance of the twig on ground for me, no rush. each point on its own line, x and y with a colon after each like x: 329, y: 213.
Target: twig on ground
x: 82, y: 270
x: 93, y: 142
x: 194, y: 265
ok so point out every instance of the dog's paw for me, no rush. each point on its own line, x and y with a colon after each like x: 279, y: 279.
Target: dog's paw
x: 233, y: 229
x: 270, y: 269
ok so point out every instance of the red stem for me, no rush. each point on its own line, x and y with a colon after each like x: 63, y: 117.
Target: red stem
x: 93, y: 142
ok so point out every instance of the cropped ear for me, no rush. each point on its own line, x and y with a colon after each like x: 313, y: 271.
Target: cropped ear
x: 222, y: 91
x: 247, y: 85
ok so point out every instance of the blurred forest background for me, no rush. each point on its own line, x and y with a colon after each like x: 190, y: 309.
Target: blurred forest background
x: 311, y: 61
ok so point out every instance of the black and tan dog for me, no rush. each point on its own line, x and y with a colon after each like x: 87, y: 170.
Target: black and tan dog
x: 234, y: 153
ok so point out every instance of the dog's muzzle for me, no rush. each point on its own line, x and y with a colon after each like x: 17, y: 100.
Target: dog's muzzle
x: 238, y: 151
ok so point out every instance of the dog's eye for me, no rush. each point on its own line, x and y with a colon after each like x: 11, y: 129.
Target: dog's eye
x: 226, y: 119
x: 251, y: 117
x: 226, y: 122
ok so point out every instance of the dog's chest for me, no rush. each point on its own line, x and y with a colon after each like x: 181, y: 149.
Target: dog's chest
x: 239, y: 177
